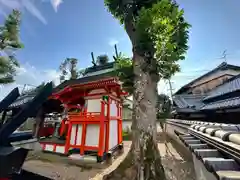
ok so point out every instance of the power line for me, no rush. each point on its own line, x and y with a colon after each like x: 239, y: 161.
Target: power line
x: 203, y: 70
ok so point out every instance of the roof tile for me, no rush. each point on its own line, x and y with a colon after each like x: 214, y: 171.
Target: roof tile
x: 228, y: 87
x: 227, y: 103
x: 189, y: 101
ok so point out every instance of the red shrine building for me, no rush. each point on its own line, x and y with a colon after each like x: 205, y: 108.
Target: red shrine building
x: 89, y: 117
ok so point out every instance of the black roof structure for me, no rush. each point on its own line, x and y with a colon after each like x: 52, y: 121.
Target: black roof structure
x: 229, y: 103
x: 189, y: 101
x: 92, y: 69
x: 25, y: 98
x: 222, y: 66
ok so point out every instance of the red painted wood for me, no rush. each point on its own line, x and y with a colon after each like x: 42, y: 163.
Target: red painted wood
x: 72, y: 93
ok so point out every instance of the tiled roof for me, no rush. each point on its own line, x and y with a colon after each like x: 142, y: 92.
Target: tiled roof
x: 227, y: 103
x: 23, y: 99
x: 186, y: 110
x: 82, y: 80
x: 230, y: 86
x: 189, y: 101
x: 222, y: 66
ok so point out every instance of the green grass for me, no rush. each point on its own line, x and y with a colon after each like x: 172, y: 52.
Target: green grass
x: 126, y: 136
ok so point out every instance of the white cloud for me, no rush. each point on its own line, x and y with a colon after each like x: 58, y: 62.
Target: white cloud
x: 30, y: 76
x: 28, y: 5
x: 56, y: 4
x: 112, y: 42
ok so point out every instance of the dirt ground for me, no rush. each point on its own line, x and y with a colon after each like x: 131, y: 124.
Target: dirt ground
x: 59, y: 168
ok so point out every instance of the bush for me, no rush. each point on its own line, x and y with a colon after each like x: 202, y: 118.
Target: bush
x: 127, y: 136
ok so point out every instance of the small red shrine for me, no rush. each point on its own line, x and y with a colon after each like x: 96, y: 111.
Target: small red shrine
x: 92, y: 120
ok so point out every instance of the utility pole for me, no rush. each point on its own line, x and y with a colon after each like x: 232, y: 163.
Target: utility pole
x: 170, y: 86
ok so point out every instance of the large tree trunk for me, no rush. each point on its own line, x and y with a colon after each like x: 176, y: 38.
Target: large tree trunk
x: 143, y: 162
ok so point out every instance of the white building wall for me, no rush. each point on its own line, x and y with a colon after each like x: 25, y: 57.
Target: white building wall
x: 113, y: 134
x: 94, y: 105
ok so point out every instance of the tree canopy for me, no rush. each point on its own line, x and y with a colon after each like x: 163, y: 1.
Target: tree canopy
x: 124, y: 70
x: 102, y: 59
x: 157, y: 30
x: 9, y: 43
x: 69, y: 68
x: 159, y: 34
x: 164, y: 107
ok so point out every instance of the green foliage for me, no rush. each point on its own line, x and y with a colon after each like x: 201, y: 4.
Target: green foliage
x: 69, y: 66
x: 126, y: 134
x: 124, y: 70
x: 9, y: 32
x: 102, y: 59
x: 122, y: 8
x: 159, y: 31
x: 164, y: 107
x: 9, y: 43
x: 159, y: 36
x: 73, y: 68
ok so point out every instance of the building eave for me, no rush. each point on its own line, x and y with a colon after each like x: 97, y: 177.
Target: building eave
x: 222, y: 66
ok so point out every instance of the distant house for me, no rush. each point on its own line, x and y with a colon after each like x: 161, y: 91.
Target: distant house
x: 195, y: 100
x: 212, y: 79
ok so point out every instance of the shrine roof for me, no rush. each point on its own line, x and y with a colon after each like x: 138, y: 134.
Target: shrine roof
x: 92, y: 69
x: 83, y: 80
x: 25, y: 98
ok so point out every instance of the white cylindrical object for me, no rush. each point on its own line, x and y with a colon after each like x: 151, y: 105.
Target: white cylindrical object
x: 234, y: 138
x: 196, y: 127
x: 220, y: 133
x: 202, y: 128
x: 209, y: 130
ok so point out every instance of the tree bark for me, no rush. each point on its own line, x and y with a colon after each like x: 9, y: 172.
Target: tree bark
x: 143, y: 162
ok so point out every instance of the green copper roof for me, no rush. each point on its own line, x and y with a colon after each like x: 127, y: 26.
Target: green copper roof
x: 92, y: 69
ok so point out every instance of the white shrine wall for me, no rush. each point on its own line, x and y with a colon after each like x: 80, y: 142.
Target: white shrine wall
x: 93, y: 104
x: 113, y: 124
x: 113, y: 134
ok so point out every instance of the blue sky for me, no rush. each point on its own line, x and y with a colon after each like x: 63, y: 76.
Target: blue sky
x: 53, y: 30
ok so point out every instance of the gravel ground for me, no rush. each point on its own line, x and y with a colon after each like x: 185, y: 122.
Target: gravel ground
x: 178, y: 169
x: 57, y: 168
